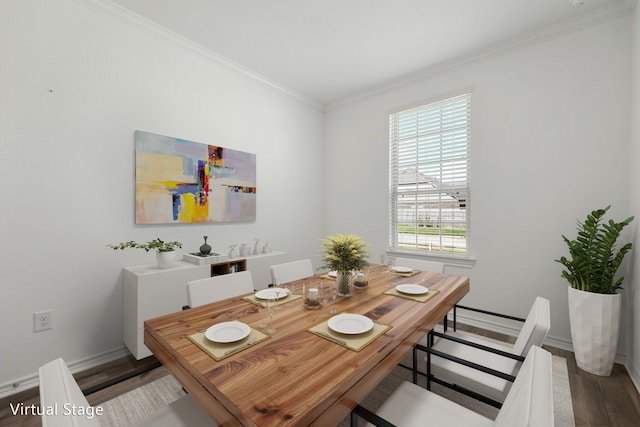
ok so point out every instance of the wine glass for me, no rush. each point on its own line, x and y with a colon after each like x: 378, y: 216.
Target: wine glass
x: 334, y: 294
x: 277, y: 292
x: 272, y: 303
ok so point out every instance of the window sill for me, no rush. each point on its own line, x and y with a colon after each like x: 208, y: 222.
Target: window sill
x: 462, y: 262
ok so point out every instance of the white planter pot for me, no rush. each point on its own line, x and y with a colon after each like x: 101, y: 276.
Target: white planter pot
x: 595, y: 328
x: 165, y: 259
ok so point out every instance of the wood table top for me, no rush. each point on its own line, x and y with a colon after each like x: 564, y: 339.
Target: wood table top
x: 296, y: 377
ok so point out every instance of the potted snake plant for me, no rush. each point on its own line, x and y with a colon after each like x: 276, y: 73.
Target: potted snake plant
x: 594, y: 304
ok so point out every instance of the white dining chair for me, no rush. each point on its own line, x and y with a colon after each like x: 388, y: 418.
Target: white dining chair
x: 528, y: 404
x: 290, y: 271
x: 216, y: 288
x: 444, y: 370
x: 420, y: 264
x: 59, y: 390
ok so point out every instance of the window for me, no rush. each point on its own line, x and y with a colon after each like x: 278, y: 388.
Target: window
x: 429, y: 174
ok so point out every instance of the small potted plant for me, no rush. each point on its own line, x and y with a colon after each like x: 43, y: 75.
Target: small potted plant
x: 344, y: 253
x: 165, y: 251
x: 594, y: 305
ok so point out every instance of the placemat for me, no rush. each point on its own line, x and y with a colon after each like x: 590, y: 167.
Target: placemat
x: 420, y: 298
x: 257, y: 301
x: 352, y: 342
x: 220, y: 351
x: 409, y: 274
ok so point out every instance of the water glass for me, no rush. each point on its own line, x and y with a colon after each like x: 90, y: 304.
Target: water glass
x: 262, y: 310
x: 272, y: 304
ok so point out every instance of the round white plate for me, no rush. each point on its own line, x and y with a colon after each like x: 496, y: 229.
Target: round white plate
x: 227, y: 332
x: 333, y: 273
x: 347, y: 323
x: 399, y: 269
x: 270, y: 293
x: 412, y: 289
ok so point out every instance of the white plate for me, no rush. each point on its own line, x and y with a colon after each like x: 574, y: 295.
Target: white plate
x: 399, y: 269
x: 333, y: 273
x: 227, y: 332
x: 412, y: 289
x: 348, y: 323
x: 270, y: 293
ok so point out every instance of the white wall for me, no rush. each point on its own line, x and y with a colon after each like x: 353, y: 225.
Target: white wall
x: 76, y: 80
x: 550, y: 136
x: 633, y: 287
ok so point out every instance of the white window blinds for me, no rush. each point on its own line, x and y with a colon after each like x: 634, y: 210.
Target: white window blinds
x: 429, y: 174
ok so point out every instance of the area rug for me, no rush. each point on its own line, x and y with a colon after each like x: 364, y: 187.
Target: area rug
x: 136, y: 404
x: 124, y: 410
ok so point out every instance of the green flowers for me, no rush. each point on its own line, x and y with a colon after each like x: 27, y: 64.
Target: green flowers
x: 344, y: 253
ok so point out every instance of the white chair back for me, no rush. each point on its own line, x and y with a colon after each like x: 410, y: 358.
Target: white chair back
x: 530, y: 400
x: 216, y: 288
x: 528, y: 404
x: 532, y: 333
x: 420, y: 264
x: 57, y: 389
x: 290, y: 271
x: 535, y: 328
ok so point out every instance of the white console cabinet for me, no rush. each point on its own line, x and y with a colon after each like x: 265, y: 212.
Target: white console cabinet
x: 149, y: 291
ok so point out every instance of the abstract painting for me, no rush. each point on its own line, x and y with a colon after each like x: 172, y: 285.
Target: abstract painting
x: 180, y: 181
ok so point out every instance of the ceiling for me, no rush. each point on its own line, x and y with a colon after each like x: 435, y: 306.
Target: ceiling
x: 332, y: 50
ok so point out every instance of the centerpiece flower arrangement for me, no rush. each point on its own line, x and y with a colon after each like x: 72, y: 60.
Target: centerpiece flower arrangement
x: 344, y: 253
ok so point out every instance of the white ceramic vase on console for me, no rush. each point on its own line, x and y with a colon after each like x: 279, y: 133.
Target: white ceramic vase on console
x: 165, y: 259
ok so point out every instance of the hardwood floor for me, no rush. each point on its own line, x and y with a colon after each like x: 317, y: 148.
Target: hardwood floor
x: 88, y: 379
x: 597, y: 401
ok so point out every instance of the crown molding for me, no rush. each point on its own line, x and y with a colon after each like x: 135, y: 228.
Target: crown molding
x: 594, y: 17
x: 114, y: 10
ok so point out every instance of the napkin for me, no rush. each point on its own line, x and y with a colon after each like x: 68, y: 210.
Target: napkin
x: 354, y: 342
x: 420, y: 298
x: 220, y: 351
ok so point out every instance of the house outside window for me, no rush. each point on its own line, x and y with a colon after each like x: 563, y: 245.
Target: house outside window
x: 429, y: 178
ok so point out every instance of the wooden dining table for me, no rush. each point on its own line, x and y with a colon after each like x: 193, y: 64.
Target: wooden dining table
x: 296, y: 377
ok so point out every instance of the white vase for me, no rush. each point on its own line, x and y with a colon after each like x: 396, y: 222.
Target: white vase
x: 595, y: 328
x: 165, y: 259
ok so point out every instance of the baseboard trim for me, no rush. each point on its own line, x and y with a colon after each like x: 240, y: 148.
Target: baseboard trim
x: 633, y: 374
x: 31, y: 381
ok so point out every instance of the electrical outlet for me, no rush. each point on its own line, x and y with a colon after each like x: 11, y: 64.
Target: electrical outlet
x: 42, y: 320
